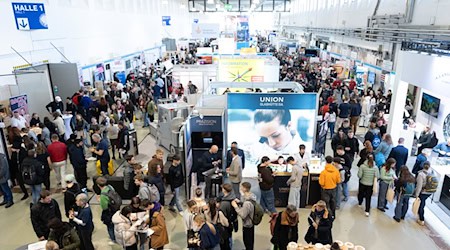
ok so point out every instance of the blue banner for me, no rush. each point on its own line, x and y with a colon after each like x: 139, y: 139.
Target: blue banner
x: 30, y: 16
x: 166, y: 20
x: 271, y: 101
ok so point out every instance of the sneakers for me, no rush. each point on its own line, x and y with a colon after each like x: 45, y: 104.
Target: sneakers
x: 3, y: 203
x: 367, y: 214
x: 9, y: 204
x: 382, y: 209
x: 421, y: 222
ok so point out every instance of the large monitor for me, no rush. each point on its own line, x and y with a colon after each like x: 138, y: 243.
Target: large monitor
x: 430, y: 105
x: 270, y: 124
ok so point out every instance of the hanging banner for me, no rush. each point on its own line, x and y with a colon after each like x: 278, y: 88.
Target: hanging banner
x: 19, y: 103
x: 270, y: 124
x: 241, y: 70
x: 243, y: 33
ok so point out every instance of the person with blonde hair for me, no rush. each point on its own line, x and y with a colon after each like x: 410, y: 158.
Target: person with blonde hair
x: 320, y: 225
x: 209, y: 237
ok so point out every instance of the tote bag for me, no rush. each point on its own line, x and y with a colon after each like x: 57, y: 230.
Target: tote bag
x: 375, y: 186
x: 415, y: 207
x: 390, y: 193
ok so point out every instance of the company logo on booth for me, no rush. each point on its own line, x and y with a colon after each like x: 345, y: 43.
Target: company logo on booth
x: 444, y: 77
x: 271, y: 101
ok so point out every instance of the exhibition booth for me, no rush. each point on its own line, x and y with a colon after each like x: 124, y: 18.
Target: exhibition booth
x: 425, y: 80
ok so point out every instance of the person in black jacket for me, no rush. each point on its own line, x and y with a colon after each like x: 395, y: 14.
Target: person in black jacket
x: 286, y: 228
x: 351, y: 146
x: 78, y: 160
x: 320, y: 225
x: 209, y: 161
x: 70, y: 194
x: 55, y: 105
x: 83, y: 220
x: 155, y: 178
x: 266, y: 180
x: 124, y: 140
x: 240, y: 153
x: 176, y: 180
x: 338, y: 139
x: 33, y: 174
x: 41, y: 213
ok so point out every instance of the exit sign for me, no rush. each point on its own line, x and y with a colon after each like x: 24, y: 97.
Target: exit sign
x: 228, y: 7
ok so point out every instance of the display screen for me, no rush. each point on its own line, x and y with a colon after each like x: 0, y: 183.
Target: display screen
x: 270, y: 124
x: 430, y: 105
x: 203, y: 140
x: 371, y: 78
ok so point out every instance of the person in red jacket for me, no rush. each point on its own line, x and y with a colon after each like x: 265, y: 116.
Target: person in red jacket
x: 58, y: 156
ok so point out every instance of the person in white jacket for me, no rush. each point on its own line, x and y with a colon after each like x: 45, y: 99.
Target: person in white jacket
x: 125, y: 229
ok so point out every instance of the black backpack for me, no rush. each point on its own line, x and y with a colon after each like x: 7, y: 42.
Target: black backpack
x: 347, y: 174
x: 115, y: 201
x: 29, y: 174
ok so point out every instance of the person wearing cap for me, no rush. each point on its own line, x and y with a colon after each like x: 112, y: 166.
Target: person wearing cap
x: 329, y: 179
x: 70, y: 194
x: 56, y: 105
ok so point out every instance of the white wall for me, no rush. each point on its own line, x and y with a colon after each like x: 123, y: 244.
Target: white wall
x: 89, y: 31
x: 432, y: 75
x: 354, y: 13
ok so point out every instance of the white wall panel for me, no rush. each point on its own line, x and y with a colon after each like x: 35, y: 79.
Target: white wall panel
x: 89, y: 31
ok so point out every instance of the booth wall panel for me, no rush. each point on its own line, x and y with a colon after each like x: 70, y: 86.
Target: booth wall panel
x: 65, y: 77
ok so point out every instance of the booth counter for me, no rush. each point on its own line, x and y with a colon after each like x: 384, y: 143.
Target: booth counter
x: 281, y: 189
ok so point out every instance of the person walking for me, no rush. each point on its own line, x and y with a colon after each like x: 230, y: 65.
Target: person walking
x: 58, y: 156
x: 355, y: 114
x: 330, y: 117
x: 329, y: 178
x: 387, y: 178
x: 294, y: 182
x: 405, y: 187
x: 235, y: 171
x: 400, y: 155
x: 421, y: 191
x: 266, y: 180
x: 105, y: 204
x: 83, y: 221
x: 286, y: 228
x: 4, y: 186
x: 176, y: 180
x: 368, y: 174
x: 246, y: 212
x: 42, y: 212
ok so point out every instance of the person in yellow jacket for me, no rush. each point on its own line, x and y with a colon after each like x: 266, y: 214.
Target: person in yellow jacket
x: 329, y: 179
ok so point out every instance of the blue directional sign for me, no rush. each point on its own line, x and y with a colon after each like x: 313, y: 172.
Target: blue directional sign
x: 166, y: 20
x: 30, y: 16
x: 195, y: 20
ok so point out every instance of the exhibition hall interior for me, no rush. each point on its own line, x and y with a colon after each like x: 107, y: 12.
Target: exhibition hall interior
x: 224, y: 124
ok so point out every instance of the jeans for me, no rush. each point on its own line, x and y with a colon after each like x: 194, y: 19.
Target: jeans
x: 294, y: 196
x: 345, y: 189
x: 329, y: 196
x: 176, y: 199
x: 268, y: 201
x: 146, y: 120
x: 7, y: 194
x: 248, y: 234
x: 365, y: 192
x: 331, y: 128
x: 382, y: 194
x: 110, y: 228
x: 60, y: 171
x: 36, y: 192
x: 104, y: 166
x: 236, y: 189
x: 402, y: 206
x: 338, y: 195
x: 423, y: 198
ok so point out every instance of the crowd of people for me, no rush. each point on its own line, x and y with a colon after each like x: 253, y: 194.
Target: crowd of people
x: 101, y: 124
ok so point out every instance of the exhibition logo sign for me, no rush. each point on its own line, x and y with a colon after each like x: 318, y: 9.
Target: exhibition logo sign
x: 241, y: 70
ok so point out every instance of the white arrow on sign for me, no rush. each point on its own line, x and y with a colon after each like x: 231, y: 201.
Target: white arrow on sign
x: 23, y: 24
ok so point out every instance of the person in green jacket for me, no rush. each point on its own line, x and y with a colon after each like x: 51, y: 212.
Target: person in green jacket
x: 387, y: 177
x: 367, y: 173
x: 104, y: 205
x: 63, y: 234
x: 151, y: 108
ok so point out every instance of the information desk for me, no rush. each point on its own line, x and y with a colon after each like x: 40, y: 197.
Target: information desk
x: 281, y: 189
